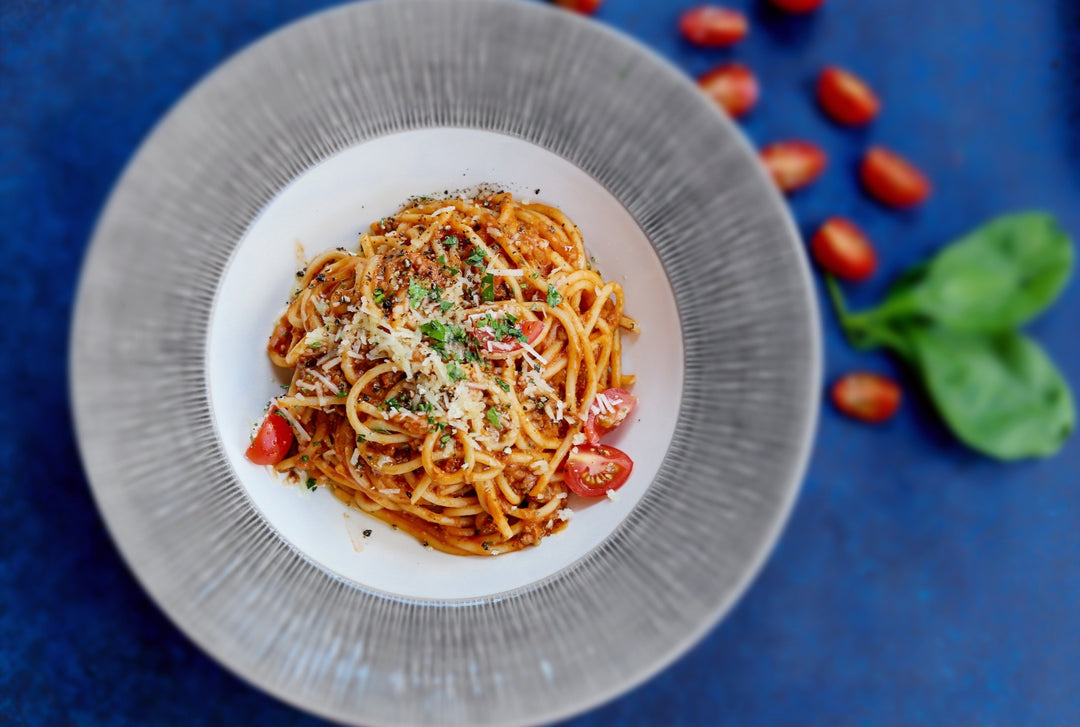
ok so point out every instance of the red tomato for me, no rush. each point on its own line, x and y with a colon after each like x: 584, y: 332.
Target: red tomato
x: 732, y: 86
x: 865, y: 396
x: 797, y: 6
x: 582, y: 6
x: 600, y: 422
x: 713, y: 26
x: 272, y: 441
x: 793, y: 164
x: 844, y: 250
x: 508, y: 343
x: 892, y: 180
x: 846, y: 98
x: 593, y: 469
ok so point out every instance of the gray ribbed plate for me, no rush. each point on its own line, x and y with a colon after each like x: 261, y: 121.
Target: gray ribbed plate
x: 623, y: 611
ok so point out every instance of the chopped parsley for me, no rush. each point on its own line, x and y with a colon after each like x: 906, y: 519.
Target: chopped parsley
x: 502, y: 384
x: 553, y: 297
x: 455, y: 373
x: 487, y: 288
x: 417, y: 293
x: 342, y: 394
x: 310, y: 484
x: 379, y: 296
x: 492, y: 415
x: 450, y: 240
x: 477, y: 257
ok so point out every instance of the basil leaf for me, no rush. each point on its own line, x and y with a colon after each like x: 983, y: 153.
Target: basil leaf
x: 995, y: 278
x: 999, y: 393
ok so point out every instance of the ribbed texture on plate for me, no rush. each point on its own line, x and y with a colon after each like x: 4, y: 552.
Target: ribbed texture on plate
x: 362, y: 71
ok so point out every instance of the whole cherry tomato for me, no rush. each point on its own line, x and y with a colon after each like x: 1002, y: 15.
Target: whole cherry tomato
x: 733, y: 86
x: 798, y: 6
x: 868, y: 397
x: 844, y: 250
x: 846, y: 98
x: 793, y: 164
x: 892, y: 180
x: 713, y: 26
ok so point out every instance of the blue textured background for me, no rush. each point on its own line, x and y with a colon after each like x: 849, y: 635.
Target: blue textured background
x: 917, y: 583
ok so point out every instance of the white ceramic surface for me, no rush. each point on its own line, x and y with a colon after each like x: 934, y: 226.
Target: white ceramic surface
x: 326, y: 208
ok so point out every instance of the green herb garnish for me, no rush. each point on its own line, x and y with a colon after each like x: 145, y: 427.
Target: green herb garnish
x: 492, y: 416
x: 954, y: 319
x: 553, y: 297
x: 477, y: 257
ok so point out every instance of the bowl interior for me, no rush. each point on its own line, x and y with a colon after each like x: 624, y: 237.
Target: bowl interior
x: 328, y: 207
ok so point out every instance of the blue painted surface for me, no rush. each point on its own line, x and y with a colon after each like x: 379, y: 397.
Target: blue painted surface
x: 917, y: 583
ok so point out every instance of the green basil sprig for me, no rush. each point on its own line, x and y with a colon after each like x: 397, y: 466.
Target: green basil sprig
x: 954, y: 320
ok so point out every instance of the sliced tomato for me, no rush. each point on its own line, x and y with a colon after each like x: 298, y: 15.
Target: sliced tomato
x: 588, y: 7
x: 844, y: 250
x: 892, y: 180
x: 713, y: 26
x: 593, y: 469
x: 272, y: 441
x: 868, y: 397
x: 846, y: 98
x: 793, y: 164
x: 507, y: 343
x: 601, y: 421
x: 798, y: 6
x: 732, y: 86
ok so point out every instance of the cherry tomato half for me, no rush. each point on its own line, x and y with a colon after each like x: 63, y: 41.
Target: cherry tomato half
x: 732, y: 86
x: 794, y: 164
x: 593, y: 469
x: 892, y: 180
x: 601, y: 421
x: 588, y: 7
x: 844, y: 250
x: 868, y: 397
x: 508, y: 343
x: 798, y: 6
x: 713, y: 26
x: 272, y: 441
x: 846, y: 98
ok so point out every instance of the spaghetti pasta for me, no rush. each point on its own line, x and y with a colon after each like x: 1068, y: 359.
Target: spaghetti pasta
x: 445, y: 371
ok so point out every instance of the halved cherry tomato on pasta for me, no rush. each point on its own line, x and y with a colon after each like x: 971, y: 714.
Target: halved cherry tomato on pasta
x: 846, y: 98
x: 793, y: 164
x: 272, y: 441
x: 798, y: 6
x: 868, y: 397
x: 892, y: 180
x: 732, y: 86
x: 508, y: 342
x: 713, y: 26
x: 844, y: 250
x: 593, y: 469
x: 587, y: 7
x: 602, y: 419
